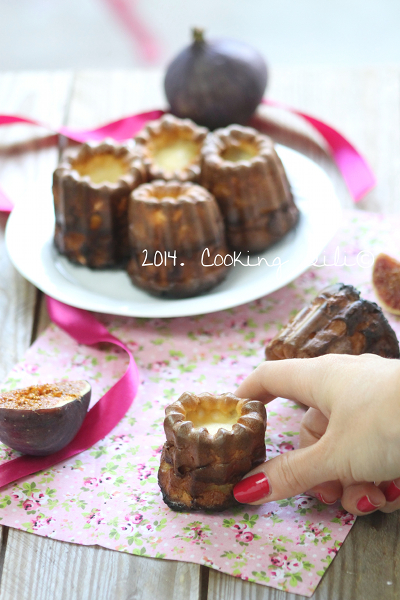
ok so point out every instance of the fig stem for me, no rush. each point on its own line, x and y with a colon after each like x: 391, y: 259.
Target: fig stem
x: 198, y: 35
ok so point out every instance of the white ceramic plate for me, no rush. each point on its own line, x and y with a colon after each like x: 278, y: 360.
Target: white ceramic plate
x: 29, y: 239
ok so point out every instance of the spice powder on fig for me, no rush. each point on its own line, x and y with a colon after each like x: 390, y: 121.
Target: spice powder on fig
x: 38, y: 397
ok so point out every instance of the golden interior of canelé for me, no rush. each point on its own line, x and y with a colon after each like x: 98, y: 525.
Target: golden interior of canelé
x: 162, y: 193
x: 213, y: 420
x: 169, y: 191
x: 240, y: 151
x: 174, y: 155
x: 101, y: 168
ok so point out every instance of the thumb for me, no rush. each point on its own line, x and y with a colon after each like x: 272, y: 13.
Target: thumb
x: 285, y: 476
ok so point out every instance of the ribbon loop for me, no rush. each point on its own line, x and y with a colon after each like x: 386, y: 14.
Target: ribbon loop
x: 353, y: 167
x: 104, y: 415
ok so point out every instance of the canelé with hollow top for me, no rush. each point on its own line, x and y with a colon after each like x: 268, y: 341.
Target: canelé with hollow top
x: 175, y: 230
x: 91, y: 187
x: 171, y: 148
x: 212, y: 442
x: 242, y: 169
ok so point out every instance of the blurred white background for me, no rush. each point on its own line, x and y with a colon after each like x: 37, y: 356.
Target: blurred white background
x: 59, y: 34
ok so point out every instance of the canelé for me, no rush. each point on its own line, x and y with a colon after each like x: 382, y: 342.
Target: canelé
x: 175, y: 229
x: 171, y: 148
x: 241, y: 168
x: 338, y: 321
x: 212, y: 442
x: 91, y: 187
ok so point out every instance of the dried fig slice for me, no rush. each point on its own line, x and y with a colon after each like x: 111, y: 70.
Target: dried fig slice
x: 42, y: 419
x: 386, y: 282
x: 338, y: 321
x: 212, y: 441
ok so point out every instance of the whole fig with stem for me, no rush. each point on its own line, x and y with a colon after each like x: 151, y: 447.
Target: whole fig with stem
x: 216, y: 83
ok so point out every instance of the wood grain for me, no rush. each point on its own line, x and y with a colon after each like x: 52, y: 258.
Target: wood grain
x: 26, y: 165
x: 367, y: 565
x: 46, y: 569
x: 25, y: 172
x: 222, y: 587
x: 99, y: 97
x: 363, y: 104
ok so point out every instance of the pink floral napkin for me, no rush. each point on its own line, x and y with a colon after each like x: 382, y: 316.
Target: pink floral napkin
x: 109, y: 494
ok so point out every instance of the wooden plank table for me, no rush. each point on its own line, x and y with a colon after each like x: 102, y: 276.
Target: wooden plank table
x: 365, y: 105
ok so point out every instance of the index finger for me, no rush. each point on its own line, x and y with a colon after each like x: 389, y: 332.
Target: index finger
x: 299, y: 379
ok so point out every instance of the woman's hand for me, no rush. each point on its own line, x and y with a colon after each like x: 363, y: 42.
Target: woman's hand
x: 349, y: 437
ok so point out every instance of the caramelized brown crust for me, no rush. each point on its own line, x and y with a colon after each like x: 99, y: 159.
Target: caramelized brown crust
x: 270, y: 229
x: 199, y: 470
x: 242, y: 169
x: 91, y: 216
x: 338, y: 321
x: 169, y: 217
x: 171, y: 148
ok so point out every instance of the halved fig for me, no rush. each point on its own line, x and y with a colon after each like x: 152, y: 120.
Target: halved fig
x: 338, y: 321
x: 42, y: 419
x: 386, y: 282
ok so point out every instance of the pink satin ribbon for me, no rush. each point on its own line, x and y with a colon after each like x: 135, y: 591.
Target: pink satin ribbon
x: 127, y: 13
x: 353, y: 167
x: 104, y: 415
x: 119, y: 130
x: 5, y: 203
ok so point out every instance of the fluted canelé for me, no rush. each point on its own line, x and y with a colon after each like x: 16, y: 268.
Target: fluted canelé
x: 212, y: 442
x: 171, y: 148
x: 91, y: 187
x: 171, y: 224
x: 241, y: 168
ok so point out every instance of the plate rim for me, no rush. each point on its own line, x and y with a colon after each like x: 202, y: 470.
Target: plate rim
x: 167, y: 308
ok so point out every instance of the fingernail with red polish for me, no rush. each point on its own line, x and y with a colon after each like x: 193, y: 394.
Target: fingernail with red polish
x: 322, y: 499
x: 365, y: 505
x: 392, y: 492
x: 252, y: 488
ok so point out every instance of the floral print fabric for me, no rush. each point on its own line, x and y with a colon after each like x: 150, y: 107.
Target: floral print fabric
x: 109, y: 495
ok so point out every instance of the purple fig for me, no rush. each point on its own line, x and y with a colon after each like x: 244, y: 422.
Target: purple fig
x: 42, y: 419
x: 216, y: 83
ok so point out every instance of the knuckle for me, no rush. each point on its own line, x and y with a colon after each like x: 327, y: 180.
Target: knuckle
x: 289, y: 478
x: 348, y: 506
x: 387, y: 510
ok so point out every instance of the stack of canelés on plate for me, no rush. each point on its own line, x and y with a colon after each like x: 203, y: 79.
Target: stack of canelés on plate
x: 173, y: 204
